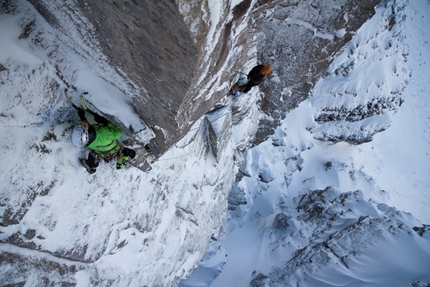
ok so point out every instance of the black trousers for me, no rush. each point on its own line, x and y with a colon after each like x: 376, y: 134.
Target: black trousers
x: 248, y: 86
x: 93, y: 160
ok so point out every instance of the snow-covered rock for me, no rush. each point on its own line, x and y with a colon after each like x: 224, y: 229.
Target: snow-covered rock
x: 300, y: 39
x: 353, y: 108
x: 60, y: 225
x: 321, y: 219
x: 350, y: 237
x: 162, y: 56
x: 296, y: 205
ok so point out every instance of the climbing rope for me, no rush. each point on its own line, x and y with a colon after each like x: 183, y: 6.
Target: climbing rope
x: 234, y: 100
x: 197, y: 149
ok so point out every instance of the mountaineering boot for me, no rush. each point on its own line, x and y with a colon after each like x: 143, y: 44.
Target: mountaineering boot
x: 239, y: 86
x: 83, y: 162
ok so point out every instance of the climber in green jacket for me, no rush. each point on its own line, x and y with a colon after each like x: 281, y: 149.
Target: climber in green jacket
x: 102, y: 141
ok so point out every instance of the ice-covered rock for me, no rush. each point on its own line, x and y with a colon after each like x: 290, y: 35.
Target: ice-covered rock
x: 62, y: 226
x: 350, y: 237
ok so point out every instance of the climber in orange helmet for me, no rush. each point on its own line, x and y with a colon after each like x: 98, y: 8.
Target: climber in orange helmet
x: 256, y: 76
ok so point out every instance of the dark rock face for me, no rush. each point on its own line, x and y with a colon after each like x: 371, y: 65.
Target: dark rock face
x: 223, y: 47
x: 312, y: 34
x: 169, y: 51
x: 154, y: 45
x: 149, y: 42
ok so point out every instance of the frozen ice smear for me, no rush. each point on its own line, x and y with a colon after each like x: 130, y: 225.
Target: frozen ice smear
x: 108, y: 99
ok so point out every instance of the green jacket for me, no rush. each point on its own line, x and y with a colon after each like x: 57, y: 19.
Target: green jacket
x: 106, y: 138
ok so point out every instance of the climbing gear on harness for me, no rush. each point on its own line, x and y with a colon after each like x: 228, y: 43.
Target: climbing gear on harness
x: 110, y: 154
x: 238, y: 87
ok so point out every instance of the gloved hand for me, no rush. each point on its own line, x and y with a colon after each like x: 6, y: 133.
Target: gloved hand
x: 100, y: 119
x: 81, y: 114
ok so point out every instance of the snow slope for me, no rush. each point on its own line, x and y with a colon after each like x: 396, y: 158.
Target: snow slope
x: 302, y: 210
x: 399, y: 157
x: 61, y: 225
x: 310, y: 213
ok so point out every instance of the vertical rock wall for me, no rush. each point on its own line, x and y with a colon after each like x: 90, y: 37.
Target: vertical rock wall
x: 221, y: 35
x: 146, y: 42
x: 300, y: 39
x: 149, y: 41
x: 181, y: 57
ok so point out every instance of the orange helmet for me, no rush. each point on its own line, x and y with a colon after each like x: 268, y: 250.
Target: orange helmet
x: 266, y: 70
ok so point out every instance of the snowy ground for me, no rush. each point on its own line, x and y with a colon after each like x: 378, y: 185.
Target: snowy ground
x: 399, y: 158
x: 132, y: 228
x: 394, y: 169
x: 123, y: 228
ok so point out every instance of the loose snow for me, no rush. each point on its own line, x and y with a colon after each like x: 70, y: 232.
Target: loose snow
x: 399, y: 158
x: 393, y: 168
x: 315, y: 213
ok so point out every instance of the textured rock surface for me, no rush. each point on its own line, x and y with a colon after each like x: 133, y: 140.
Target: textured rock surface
x: 299, y: 39
x: 149, y: 41
x: 164, y: 52
x: 166, y: 209
x: 171, y: 52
